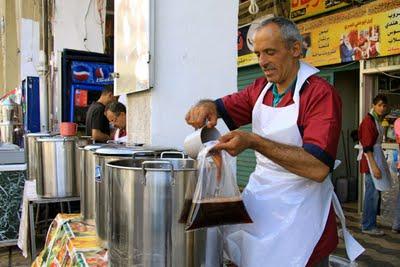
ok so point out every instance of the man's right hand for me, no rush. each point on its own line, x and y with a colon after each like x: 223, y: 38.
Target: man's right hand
x: 376, y: 172
x: 202, y: 112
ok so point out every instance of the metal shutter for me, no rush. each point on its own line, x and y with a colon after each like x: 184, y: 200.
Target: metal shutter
x: 246, y: 161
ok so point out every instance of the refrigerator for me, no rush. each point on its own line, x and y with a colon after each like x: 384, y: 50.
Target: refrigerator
x: 84, y: 76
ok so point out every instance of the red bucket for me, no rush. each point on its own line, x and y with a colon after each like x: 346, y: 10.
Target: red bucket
x: 68, y: 128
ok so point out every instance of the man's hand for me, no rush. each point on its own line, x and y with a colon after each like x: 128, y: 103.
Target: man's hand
x: 234, y: 142
x: 376, y: 172
x: 202, y: 112
x: 374, y: 167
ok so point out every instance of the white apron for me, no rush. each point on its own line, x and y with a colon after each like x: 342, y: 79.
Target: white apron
x: 385, y: 183
x: 122, y: 139
x: 289, y: 212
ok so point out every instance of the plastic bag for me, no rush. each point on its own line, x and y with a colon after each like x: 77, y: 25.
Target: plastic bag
x: 216, y: 200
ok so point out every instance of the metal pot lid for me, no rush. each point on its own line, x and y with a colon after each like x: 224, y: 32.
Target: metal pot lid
x: 57, y: 139
x: 93, y: 146
x: 115, y: 151
x: 39, y: 134
x: 156, y: 148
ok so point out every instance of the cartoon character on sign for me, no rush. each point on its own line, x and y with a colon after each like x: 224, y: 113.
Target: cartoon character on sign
x: 374, y: 41
x: 362, y: 49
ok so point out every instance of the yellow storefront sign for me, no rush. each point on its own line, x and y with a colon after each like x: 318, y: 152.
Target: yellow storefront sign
x: 300, y: 9
x: 247, y: 60
x: 370, y: 31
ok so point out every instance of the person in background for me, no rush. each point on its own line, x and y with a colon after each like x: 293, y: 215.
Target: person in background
x: 296, y: 119
x: 396, y: 221
x: 116, y: 115
x: 369, y: 134
x: 97, y: 125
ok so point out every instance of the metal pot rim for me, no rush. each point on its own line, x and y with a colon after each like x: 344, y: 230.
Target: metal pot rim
x: 57, y: 139
x: 111, y: 165
x: 150, y: 169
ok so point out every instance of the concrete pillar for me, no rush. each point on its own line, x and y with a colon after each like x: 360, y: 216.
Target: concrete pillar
x: 195, y: 58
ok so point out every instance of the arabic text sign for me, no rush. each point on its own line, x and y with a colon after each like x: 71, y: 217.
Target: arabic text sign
x: 353, y: 38
x: 300, y: 9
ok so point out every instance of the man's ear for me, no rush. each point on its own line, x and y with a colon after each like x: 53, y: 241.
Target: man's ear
x: 296, y: 49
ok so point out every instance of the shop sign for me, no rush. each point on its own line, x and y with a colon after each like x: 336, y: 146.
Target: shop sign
x: 369, y: 31
x: 300, y: 9
x: 246, y: 56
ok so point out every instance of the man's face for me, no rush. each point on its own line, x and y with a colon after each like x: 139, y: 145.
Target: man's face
x: 380, y: 108
x: 275, y: 58
x: 117, y: 121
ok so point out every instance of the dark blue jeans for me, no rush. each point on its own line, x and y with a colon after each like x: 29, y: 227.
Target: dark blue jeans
x: 371, y: 201
x: 396, y: 222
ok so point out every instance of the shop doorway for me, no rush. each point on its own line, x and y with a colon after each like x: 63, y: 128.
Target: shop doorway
x: 345, y: 177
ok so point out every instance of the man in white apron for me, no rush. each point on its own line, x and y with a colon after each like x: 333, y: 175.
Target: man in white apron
x: 373, y: 164
x: 296, y: 119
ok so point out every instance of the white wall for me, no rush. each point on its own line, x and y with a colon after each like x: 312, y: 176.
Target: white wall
x: 29, y: 50
x: 75, y: 20
x: 195, y: 58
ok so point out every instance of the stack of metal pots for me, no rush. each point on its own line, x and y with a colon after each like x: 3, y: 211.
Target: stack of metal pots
x: 146, y: 198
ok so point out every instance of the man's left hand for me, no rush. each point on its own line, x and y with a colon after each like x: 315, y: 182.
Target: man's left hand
x: 235, y: 142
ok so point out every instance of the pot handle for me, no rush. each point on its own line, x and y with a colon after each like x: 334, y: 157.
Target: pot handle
x: 143, y: 152
x: 144, y: 163
x: 172, y: 153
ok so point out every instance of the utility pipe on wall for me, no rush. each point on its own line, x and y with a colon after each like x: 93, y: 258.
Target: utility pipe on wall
x: 42, y: 71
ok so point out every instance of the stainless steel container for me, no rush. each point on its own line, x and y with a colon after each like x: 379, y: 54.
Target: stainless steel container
x: 7, y: 132
x: 102, y: 192
x: 57, y: 159
x: 10, y: 111
x: 80, y: 144
x: 88, y: 171
x: 146, y: 201
x: 32, y: 151
x: 105, y: 154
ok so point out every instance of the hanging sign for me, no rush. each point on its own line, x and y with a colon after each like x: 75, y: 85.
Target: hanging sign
x: 369, y: 31
x: 246, y: 56
x: 300, y: 9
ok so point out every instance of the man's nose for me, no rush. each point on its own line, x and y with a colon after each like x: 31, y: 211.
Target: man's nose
x: 263, y: 60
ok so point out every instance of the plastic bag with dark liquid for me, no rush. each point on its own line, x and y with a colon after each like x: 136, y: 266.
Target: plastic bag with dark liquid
x: 190, y: 188
x: 216, y: 200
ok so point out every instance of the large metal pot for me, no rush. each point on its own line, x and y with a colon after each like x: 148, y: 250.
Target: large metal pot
x: 32, y: 153
x: 80, y: 144
x: 146, y: 201
x: 105, y: 154
x: 57, y: 159
x: 88, y: 168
